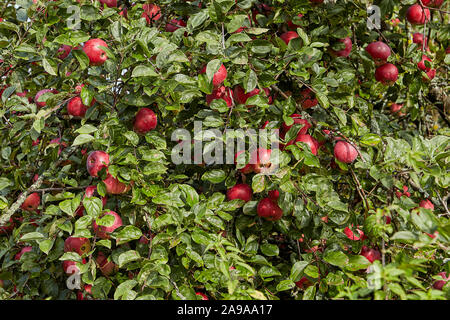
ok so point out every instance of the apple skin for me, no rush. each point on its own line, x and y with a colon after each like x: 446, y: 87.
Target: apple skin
x: 248, y: 168
x: 370, y: 254
x: 240, y: 191
x: 346, y: 51
x: 96, y: 55
x: 439, y: 284
x: 175, y: 24
x: 32, y: 202
x: 396, y: 108
x: 241, y: 97
x: 114, y: 186
x: 379, y: 51
x: 76, y: 108
x: 387, y: 74
x: 345, y: 152
x: 426, y: 204
x: 79, y: 245
x: 260, y: 160
x: 421, y: 65
x: 89, y: 192
x: 310, y: 141
x: 416, y: 15
x: 223, y: 93
x: 106, y: 267
x: 204, y: 296
x: 64, y: 51
x: 433, y: 3
x: 151, y: 13
x: 145, y: 121
x: 24, y: 249
x: 96, y: 160
x: 109, y: 3
x: 102, y: 231
x: 297, y: 120
x: 67, y: 264
x: 418, y: 38
x: 40, y: 93
x: 308, y: 99
x: 269, y: 209
x: 219, y: 77
x: 288, y: 36
x: 349, y: 233
x: 274, y: 195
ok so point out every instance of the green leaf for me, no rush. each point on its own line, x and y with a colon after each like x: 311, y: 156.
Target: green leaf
x: 127, y: 257
x: 82, y: 139
x: 270, y: 250
x: 144, y: 71
x: 214, y: 176
x: 336, y: 258
x: 126, y: 234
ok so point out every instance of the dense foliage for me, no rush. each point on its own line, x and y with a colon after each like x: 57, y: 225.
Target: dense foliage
x: 357, y: 209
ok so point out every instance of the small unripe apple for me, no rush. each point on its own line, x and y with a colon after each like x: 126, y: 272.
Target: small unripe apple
x: 24, y: 249
x: 370, y: 254
x: 96, y: 160
x: 379, y: 51
x: 345, y: 152
x: 32, y: 202
x: 417, y: 15
x: 145, y: 120
x: 223, y: 93
x: 151, y: 13
x: 387, y: 74
x: 288, y: 36
x: 175, y: 24
x: 103, y: 231
x: 347, y: 50
x: 97, y: 56
x: 218, y: 77
x: 79, y: 245
x: 240, y: 191
x: 269, y: 209
x: 427, y: 204
x: 64, y: 51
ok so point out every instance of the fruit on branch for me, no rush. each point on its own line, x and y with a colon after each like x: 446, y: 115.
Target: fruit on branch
x: 8, y: 227
x: 24, y: 249
x: 106, y: 266
x: 76, y: 108
x: 97, y: 56
x: 109, y: 3
x: 218, y: 77
x: 396, y: 108
x: 419, y: 39
x: 345, y: 152
x: 240, y: 191
x: 370, y: 254
x: 103, y: 231
x: 260, y: 160
x: 428, y: 70
x: 292, y: 25
x: 439, y: 284
x: 426, y: 204
x: 223, y: 93
x: 310, y: 141
x: 416, y: 15
x: 248, y: 168
x: 387, y: 74
x: 349, y: 233
x: 64, y: 51
x: 288, y: 36
x: 433, y: 3
x: 70, y: 267
x: 32, y: 202
x: 80, y: 245
x: 90, y: 191
x: 204, y: 296
x: 114, y: 186
x: 297, y: 120
x: 379, y: 51
x: 241, y: 97
x: 308, y: 98
x: 303, y: 283
x: 269, y: 209
x: 346, y: 51
x: 145, y: 120
x: 151, y: 13
x: 41, y: 104
x: 175, y: 24
x: 96, y: 160
x: 274, y: 195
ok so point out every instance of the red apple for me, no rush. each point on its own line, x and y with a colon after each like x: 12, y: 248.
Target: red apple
x: 64, y: 51
x: 240, y: 191
x: 106, y: 267
x: 70, y: 267
x: 76, y: 108
x: 308, y: 99
x: 114, y: 186
x: 219, y: 76
x: 96, y: 160
x: 349, y: 233
x: 175, y: 24
x: 145, y: 120
x: 418, y: 38
x: 204, y: 296
x: 417, y: 15
x: 32, y: 202
x: 397, y: 108
x: 8, y: 227
x: 370, y: 254
x: 427, y: 204
x: 221, y: 93
x: 151, y: 13
x: 310, y: 141
x: 274, y: 195
x: 421, y: 65
x: 260, y: 160
x: 345, y: 152
x: 80, y: 245
x: 346, y: 51
x: 379, y: 51
x: 439, y: 284
x: 291, y: 25
x: 269, y: 209
x: 102, y: 231
x: 303, y: 283
x: 24, y: 249
x: 41, y: 104
x: 109, y: 3
x: 387, y: 74
x: 97, y: 56
x: 433, y: 3
x: 288, y: 36
x: 297, y: 120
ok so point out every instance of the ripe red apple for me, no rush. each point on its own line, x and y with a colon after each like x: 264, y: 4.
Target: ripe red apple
x: 427, y: 204
x: 387, y: 74
x: 106, y: 267
x: 274, y: 195
x: 64, y: 51
x: 349, y: 233
x: 248, y: 168
x: 218, y: 77
x: 370, y: 254
x: 308, y: 98
x: 379, y: 51
x: 292, y: 25
x: 345, y: 152
x: 240, y: 191
x: 145, y: 120
x: 76, y: 108
x: 32, y: 202
x: 260, y: 160
x: 24, y: 249
x: 80, y: 245
x: 39, y: 94
x: 421, y: 65
x: 114, y: 186
x: 90, y: 191
x: 96, y: 160
x: 223, y: 93
x: 175, y: 24
x: 439, y: 284
x: 416, y: 15
x: 102, y: 231
x: 396, y: 108
x: 151, y: 13
x: 204, y: 296
x: 310, y: 141
x: 269, y: 209
x: 346, y: 51
x: 97, y: 56
x: 109, y: 3
x: 418, y: 38
x: 297, y: 120
x: 288, y: 36
x: 67, y: 266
